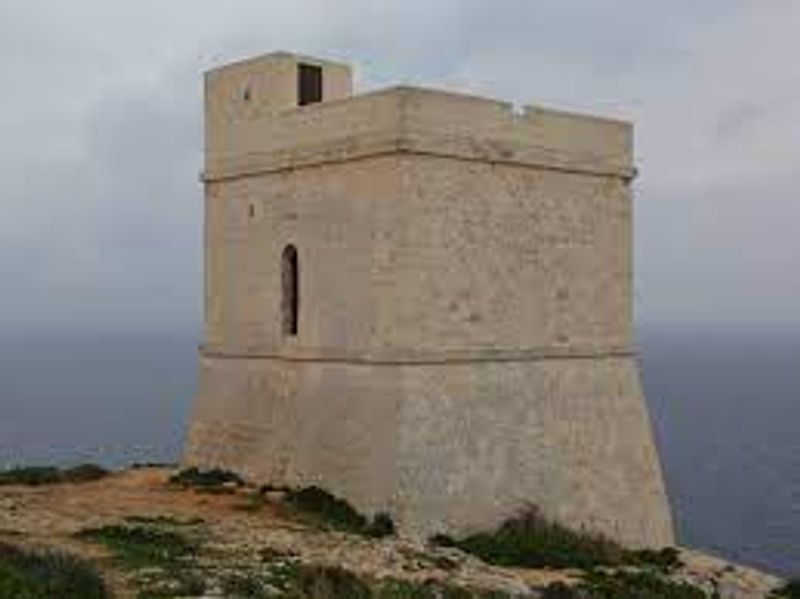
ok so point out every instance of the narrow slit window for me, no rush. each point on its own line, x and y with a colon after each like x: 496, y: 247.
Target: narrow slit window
x: 290, y: 302
x: 309, y: 84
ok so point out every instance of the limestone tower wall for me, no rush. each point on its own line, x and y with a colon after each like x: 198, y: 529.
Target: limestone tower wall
x: 421, y: 301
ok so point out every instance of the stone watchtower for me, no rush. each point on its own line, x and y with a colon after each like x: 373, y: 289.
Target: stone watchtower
x: 421, y: 301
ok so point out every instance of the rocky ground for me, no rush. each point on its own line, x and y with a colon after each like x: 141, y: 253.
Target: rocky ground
x: 241, y: 543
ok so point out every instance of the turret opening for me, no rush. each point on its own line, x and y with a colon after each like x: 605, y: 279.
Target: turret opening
x: 290, y: 301
x: 309, y: 84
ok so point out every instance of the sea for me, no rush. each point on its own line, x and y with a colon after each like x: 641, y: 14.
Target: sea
x: 724, y: 400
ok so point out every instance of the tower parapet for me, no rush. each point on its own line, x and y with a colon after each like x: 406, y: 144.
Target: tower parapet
x: 256, y: 123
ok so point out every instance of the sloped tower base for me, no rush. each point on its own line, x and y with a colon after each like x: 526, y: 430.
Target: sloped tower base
x: 444, y: 448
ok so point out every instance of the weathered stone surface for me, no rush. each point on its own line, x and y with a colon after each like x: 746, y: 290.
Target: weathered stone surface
x: 464, y: 343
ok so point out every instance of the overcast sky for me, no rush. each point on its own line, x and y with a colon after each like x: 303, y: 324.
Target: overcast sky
x: 100, y: 134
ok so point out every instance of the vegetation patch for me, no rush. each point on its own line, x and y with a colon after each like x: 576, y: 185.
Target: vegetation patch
x: 180, y: 584
x: 626, y: 584
x: 142, y: 546
x: 207, y: 481
x: 430, y: 560
x: 531, y: 541
x: 243, y: 586
x: 381, y: 526
x: 271, y: 554
x: 326, y: 582
x: 149, y: 465
x: 666, y: 560
x: 161, y: 561
x: 163, y: 521
x: 31, y: 575
x: 285, y: 578
x: 401, y: 589
x: 328, y: 510
x: 318, y: 582
x: 50, y: 475
x: 277, y: 578
x: 791, y: 590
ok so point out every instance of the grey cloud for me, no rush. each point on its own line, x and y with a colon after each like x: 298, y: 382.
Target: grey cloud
x: 727, y: 253
x: 738, y: 119
x: 101, y: 122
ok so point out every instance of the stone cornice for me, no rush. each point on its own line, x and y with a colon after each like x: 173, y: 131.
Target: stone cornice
x: 423, y: 122
x: 412, y: 357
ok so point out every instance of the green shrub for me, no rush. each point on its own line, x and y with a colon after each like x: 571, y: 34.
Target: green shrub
x: 319, y: 582
x: 560, y: 590
x: 381, y: 526
x: 625, y: 585
x: 530, y: 540
x: 667, y: 559
x: 273, y: 488
x: 244, y: 587
x: 35, y: 476
x: 636, y: 585
x: 84, y: 473
x: 30, y: 575
x: 160, y: 520
x: 329, y: 509
x: 31, y: 476
x: 330, y: 582
x: 791, y: 590
x: 337, y: 513
x: 158, y: 558
x: 180, y: 583
x: 147, y: 465
x: 141, y: 546
x: 206, y: 480
x: 402, y: 589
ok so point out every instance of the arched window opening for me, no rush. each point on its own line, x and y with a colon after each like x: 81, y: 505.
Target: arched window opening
x: 290, y: 302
